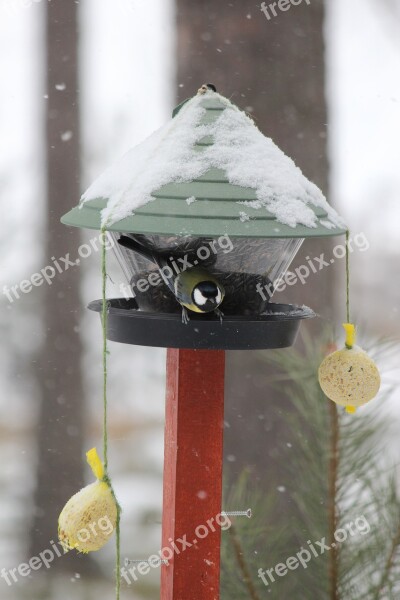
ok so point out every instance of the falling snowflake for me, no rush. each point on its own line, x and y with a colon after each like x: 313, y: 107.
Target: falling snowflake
x: 66, y: 136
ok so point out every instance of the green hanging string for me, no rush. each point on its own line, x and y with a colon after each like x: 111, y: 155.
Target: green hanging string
x: 105, y: 412
x: 347, y: 277
x: 105, y: 346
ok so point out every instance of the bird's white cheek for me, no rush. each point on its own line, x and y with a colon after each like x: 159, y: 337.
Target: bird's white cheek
x: 199, y: 299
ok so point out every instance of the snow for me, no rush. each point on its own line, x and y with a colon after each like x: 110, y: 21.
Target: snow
x: 294, y: 311
x: 248, y: 158
x: 66, y: 136
x: 165, y: 156
x: 190, y: 200
x: 244, y: 217
x: 327, y: 224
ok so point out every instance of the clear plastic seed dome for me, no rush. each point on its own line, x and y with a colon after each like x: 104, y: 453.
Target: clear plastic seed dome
x: 248, y: 268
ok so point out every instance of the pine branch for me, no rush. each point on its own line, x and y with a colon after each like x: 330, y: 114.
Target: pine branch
x: 242, y: 563
x: 389, y: 565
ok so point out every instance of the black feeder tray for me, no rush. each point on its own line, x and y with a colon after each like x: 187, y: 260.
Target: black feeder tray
x: 277, y: 327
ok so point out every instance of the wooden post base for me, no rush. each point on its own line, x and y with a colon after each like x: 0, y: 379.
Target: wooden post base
x: 191, y: 537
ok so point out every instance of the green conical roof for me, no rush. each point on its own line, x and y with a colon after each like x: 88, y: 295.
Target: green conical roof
x: 213, y: 174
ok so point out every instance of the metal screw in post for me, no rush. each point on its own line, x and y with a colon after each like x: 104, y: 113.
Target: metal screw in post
x: 238, y: 513
x: 146, y: 562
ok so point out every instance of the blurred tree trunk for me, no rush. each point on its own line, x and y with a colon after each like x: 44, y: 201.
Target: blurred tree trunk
x: 60, y: 429
x: 274, y: 69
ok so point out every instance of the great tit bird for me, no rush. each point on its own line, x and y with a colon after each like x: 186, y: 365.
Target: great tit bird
x: 194, y: 287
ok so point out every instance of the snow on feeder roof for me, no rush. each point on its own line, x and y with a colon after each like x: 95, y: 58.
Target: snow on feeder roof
x: 207, y: 171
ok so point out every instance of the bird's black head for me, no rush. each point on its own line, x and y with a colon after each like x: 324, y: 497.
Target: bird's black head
x: 207, y: 295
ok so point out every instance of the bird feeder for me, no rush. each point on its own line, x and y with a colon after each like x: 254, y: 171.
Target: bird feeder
x: 208, y: 189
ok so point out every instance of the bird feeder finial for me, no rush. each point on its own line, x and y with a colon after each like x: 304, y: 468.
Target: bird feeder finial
x: 206, y: 87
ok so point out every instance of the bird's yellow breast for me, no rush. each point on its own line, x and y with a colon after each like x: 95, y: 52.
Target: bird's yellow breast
x: 193, y: 307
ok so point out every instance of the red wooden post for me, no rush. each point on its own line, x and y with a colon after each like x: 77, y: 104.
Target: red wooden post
x: 193, y: 474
